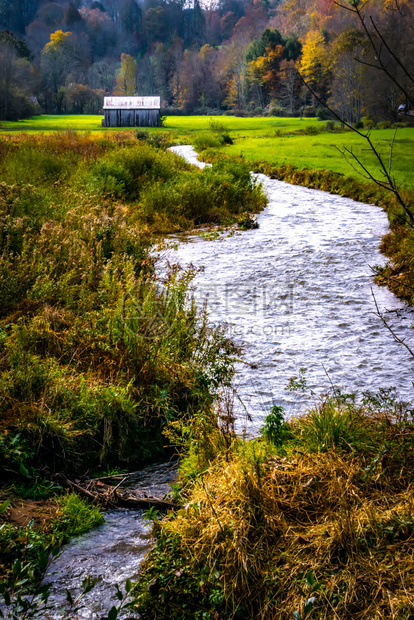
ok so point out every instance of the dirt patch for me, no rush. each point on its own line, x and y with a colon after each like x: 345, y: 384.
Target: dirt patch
x: 21, y: 512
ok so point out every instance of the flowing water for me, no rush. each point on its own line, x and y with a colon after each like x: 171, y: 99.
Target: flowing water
x: 113, y: 551
x: 296, y: 292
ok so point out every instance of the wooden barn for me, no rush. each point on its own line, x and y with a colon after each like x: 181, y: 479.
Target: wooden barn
x: 131, y: 112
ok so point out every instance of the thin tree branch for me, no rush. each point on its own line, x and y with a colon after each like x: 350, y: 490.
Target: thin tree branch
x: 390, y: 184
x: 397, y: 60
x: 396, y: 338
x: 378, y: 49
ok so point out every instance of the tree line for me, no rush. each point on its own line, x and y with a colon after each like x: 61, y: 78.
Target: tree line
x: 228, y: 56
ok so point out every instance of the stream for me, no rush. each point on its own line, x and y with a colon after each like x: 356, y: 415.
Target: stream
x: 295, y: 293
x: 113, y: 551
x: 298, y: 293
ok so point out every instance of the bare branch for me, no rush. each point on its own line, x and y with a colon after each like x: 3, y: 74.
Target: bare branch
x: 369, y: 176
x: 397, y: 60
x: 394, y: 335
x: 389, y: 184
x: 378, y: 49
x: 391, y: 150
x: 343, y: 153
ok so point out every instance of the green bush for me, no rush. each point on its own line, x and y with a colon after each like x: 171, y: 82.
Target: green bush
x: 98, y: 355
x: 275, y: 428
x: 204, y: 141
x: 217, y: 126
x: 124, y: 172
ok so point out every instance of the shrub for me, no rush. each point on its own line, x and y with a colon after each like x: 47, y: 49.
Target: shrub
x: 124, y: 172
x: 75, y: 517
x: 324, y: 114
x: 275, y: 428
x: 97, y: 353
x: 217, y: 126
x: 203, y: 141
x: 213, y: 195
x: 226, y: 138
x: 277, y: 537
x: 275, y: 110
x: 142, y: 134
x: 368, y: 123
x: 311, y: 130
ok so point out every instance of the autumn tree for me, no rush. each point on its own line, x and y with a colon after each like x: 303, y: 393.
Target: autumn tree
x: 234, y: 72
x: 266, y: 72
x: 58, y: 59
x: 315, y: 64
x: 126, y: 82
x: 290, y: 86
x: 348, y: 84
x: 101, y: 76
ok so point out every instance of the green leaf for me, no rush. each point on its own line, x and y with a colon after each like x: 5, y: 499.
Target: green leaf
x: 24, y: 471
x: 69, y: 597
x: 43, y: 560
x: 310, y: 579
x: 4, y: 506
x: 17, y: 567
x: 113, y: 613
x: 128, y: 585
x: 55, y: 551
x: 309, y: 604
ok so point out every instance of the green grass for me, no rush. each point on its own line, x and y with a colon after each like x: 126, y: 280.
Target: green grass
x: 179, y: 124
x: 273, y: 139
x: 47, y: 123
x: 321, y: 151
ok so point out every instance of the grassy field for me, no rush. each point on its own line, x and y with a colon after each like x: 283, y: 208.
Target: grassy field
x: 321, y: 151
x: 179, y: 124
x: 275, y: 140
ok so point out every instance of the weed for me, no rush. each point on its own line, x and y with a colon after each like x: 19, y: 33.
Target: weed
x: 75, y: 517
x: 275, y: 428
x: 247, y: 221
x: 204, y: 141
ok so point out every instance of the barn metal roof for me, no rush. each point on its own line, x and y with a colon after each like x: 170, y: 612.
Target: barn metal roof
x: 132, y: 103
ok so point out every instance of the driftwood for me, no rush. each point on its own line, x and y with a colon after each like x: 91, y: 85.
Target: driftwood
x: 133, y: 500
x: 112, y: 497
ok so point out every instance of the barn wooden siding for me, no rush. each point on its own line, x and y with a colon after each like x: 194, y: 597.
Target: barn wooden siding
x: 131, y: 118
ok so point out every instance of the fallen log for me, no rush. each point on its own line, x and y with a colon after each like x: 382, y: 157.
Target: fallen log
x: 129, y: 500
x: 94, y: 496
x: 114, y: 497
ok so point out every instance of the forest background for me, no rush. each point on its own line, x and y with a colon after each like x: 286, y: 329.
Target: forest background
x: 225, y: 56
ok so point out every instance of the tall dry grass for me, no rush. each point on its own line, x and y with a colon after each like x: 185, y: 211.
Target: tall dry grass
x: 312, y: 534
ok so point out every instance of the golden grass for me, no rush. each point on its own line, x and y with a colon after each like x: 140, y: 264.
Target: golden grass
x: 308, y: 535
